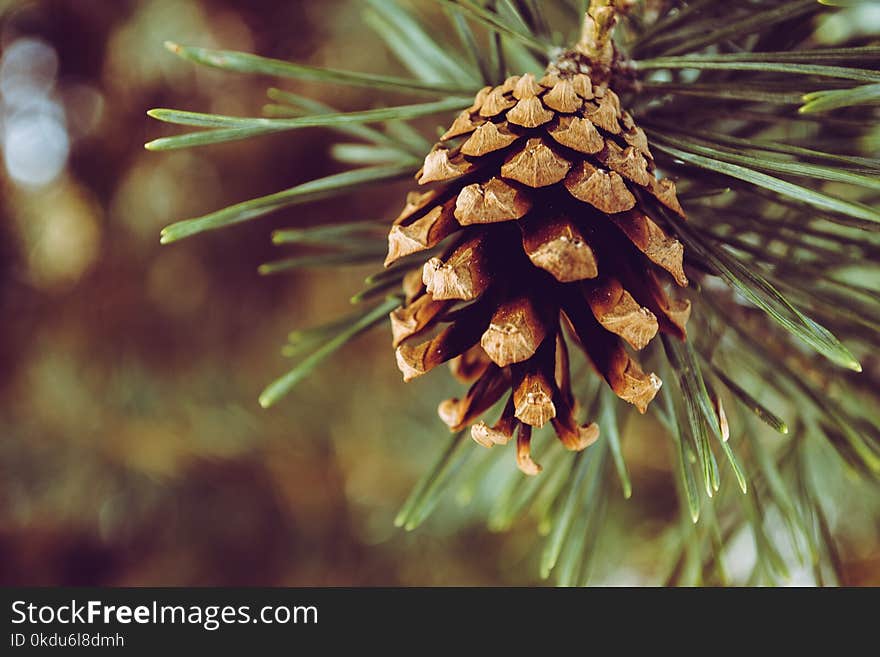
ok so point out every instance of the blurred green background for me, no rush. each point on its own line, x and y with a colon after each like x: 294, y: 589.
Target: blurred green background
x: 132, y: 449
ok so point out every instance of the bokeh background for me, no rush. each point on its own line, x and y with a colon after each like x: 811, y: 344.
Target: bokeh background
x: 132, y: 449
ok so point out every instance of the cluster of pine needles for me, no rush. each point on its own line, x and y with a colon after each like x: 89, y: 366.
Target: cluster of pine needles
x: 772, y: 138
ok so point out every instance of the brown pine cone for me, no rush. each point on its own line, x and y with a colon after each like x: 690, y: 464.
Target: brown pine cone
x: 545, y: 202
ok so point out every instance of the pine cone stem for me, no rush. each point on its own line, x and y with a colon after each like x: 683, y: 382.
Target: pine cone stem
x: 596, y: 36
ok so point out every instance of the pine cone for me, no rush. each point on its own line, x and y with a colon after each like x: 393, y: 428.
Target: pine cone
x: 547, y: 192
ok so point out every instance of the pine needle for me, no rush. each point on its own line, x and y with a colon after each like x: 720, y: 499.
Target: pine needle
x: 241, y: 62
x: 310, y: 191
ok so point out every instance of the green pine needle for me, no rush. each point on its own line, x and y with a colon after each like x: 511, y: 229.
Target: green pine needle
x: 426, y: 494
x: 353, y: 257
x: 280, y: 387
x: 258, y: 207
x: 718, y: 63
x: 701, y: 419
x: 230, y: 128
x: 563, y: 521
x: 756, y: 407
x: 802, y: 194
x: 610, y: 432
x: 824, y: 101
x: 760, y: 292
x: 241, y: 62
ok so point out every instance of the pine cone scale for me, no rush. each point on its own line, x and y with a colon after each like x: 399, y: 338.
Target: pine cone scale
x: 558, y: 246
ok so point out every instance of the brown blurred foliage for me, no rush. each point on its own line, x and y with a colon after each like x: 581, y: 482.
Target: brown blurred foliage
x: 133, y: 449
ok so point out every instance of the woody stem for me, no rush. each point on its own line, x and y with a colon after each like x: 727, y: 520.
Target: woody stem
x: 596, y: 34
